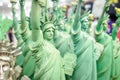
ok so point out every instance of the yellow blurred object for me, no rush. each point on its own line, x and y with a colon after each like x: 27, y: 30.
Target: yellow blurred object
x: 113, y: 1
x: 113, y: 25
x: 77, y: 1
x: 117, y: 10
x: 90, y: 16
x: 64, y: 8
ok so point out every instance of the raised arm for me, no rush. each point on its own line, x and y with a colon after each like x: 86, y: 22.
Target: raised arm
x: 22, y: 13
x: 99, y: 28
x: 15, y: 23
x: 77, y: 17
x: 35, y: 19
x: 55, y: 9
x: 24, y: 28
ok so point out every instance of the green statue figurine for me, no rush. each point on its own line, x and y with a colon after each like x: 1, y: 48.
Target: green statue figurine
x: 48, y: 59
x: 25, y: 32
x: 63, y: 42
x: 105, y: 62
x: 8, y: 55
x: 116, y: 47
x: 84, y: 50
x: 22, y: 34
x: 15, y: 24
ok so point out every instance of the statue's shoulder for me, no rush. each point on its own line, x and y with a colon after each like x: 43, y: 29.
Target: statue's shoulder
x: 107, y: 36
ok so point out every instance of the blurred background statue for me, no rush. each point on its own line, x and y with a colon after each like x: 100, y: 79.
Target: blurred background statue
x: 84, y: 50
x: 8, y: 55
x: 104, y: 63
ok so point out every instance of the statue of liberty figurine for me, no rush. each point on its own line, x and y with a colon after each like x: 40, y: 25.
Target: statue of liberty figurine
x: 63, y: 41
x: 8, y: 53
x: 49, y: 63
x: 22, y: 34
x: 84, y: 49
x: 105, y: 61
x: 116, y: 47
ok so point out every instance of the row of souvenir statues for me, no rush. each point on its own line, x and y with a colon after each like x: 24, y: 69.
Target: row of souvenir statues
x: 53, y: 48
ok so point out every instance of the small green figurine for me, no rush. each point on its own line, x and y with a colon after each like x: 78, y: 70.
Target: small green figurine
x: 84, y: 50
x: 15, y: 24
x: 22, y: 34
x: 105, y: 62
x: 116, y: 48
x: 49, y: 63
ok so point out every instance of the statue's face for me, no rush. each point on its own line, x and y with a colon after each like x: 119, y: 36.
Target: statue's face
x: 85, y: 23
x: 105, y: 25
x: 4, y: 70
x: 48, y: 33
x: 61, y: 25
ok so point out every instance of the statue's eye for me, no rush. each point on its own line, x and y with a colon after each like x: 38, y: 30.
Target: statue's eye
x: 5, y: 67
x: 48, y: 31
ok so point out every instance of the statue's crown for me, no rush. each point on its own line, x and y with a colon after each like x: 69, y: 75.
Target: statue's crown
x: 8, y: 51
